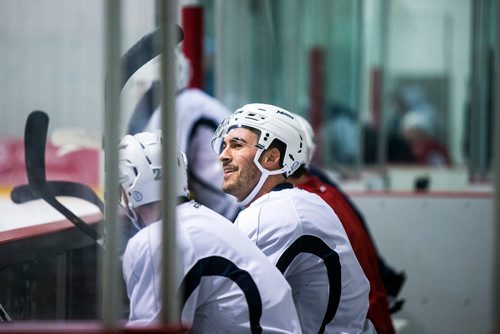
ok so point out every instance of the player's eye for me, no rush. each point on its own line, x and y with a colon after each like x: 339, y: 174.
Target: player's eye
x: 236, y: 144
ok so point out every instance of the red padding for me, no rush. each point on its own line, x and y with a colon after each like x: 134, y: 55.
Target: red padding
x: 192, y: 24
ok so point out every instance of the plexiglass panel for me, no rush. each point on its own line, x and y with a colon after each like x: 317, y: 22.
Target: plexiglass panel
x: 52, y: 62
x: 384, y: 83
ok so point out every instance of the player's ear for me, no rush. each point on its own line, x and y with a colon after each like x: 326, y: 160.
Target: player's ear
x: 271, y: 159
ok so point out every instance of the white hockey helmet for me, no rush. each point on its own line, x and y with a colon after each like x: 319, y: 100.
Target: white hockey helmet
x: 141, y: 169
x: 273, y: 123
x: 309, y: 138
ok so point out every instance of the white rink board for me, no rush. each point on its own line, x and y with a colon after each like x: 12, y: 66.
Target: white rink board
x: 445, y: 245
x: 38, y: 212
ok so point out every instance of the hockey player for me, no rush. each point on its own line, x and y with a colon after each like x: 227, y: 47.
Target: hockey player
x: 198, y: 115
x: 227, y: 285
x: 364, y: 248
x: 259, y: 146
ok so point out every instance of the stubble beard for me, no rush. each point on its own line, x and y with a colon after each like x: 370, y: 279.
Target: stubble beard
x: 241, y: 184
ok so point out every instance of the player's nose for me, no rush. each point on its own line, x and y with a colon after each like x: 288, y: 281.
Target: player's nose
x: 225, y: 155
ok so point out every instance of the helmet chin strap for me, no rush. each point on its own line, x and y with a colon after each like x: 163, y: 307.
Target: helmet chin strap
x: 258, y: 186
x: 263, y: 177
x: 134, y: 217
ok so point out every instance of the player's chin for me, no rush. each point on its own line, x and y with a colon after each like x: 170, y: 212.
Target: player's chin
x: 231, y: 180
x: 228, y: 187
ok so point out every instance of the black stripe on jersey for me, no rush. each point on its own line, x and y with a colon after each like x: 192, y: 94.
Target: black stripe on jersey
x: 210, y: 123
x: 314, y: 245
x: 219, y: 266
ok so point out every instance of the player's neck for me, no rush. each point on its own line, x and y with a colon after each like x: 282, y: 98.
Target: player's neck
x: 271, y: 182
x: 149, y: 214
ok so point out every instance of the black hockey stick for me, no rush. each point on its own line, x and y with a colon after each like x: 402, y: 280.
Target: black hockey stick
x: 144, y: 50
x: 137, y: 56
x: 35, y: 137
x: 147, y: 48
x: 23, y: 193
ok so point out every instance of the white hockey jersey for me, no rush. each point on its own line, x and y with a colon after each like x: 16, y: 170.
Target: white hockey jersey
x: 304, y: 238
x: 225, y: 283
x: 198, y: 115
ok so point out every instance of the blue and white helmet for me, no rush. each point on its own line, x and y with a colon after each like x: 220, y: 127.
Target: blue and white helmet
x: 140, y: 167
x: 273, y: 123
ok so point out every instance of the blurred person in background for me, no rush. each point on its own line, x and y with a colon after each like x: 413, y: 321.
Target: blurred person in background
x: 340, y: 136
x: 409, y: 98
x: 417, y: 129
x: 361, y: 242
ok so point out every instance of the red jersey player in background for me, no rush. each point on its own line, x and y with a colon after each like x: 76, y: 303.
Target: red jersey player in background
x: 364, y: 249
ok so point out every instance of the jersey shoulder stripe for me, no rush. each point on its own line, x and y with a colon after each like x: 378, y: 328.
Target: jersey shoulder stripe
x: 314, y: 245
x: 219, y: 266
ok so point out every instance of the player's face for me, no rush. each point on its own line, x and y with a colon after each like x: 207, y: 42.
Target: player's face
x: 241, y: 174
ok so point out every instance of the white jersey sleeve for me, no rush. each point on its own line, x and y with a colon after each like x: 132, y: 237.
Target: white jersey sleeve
x: 304, y: 238
x: 141, y: 272
x: 225, y: 283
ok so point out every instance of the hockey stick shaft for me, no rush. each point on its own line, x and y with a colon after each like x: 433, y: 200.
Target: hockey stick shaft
x: 35, y: 137
x: 144, y: 50
x: 137, y: 56
x: 147, y: 48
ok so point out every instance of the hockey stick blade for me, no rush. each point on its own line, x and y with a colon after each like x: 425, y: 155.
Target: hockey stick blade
x: 35, y: 137
x: 23, y: 193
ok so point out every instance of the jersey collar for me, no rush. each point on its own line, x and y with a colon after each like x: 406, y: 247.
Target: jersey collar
x: 281, y: 186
